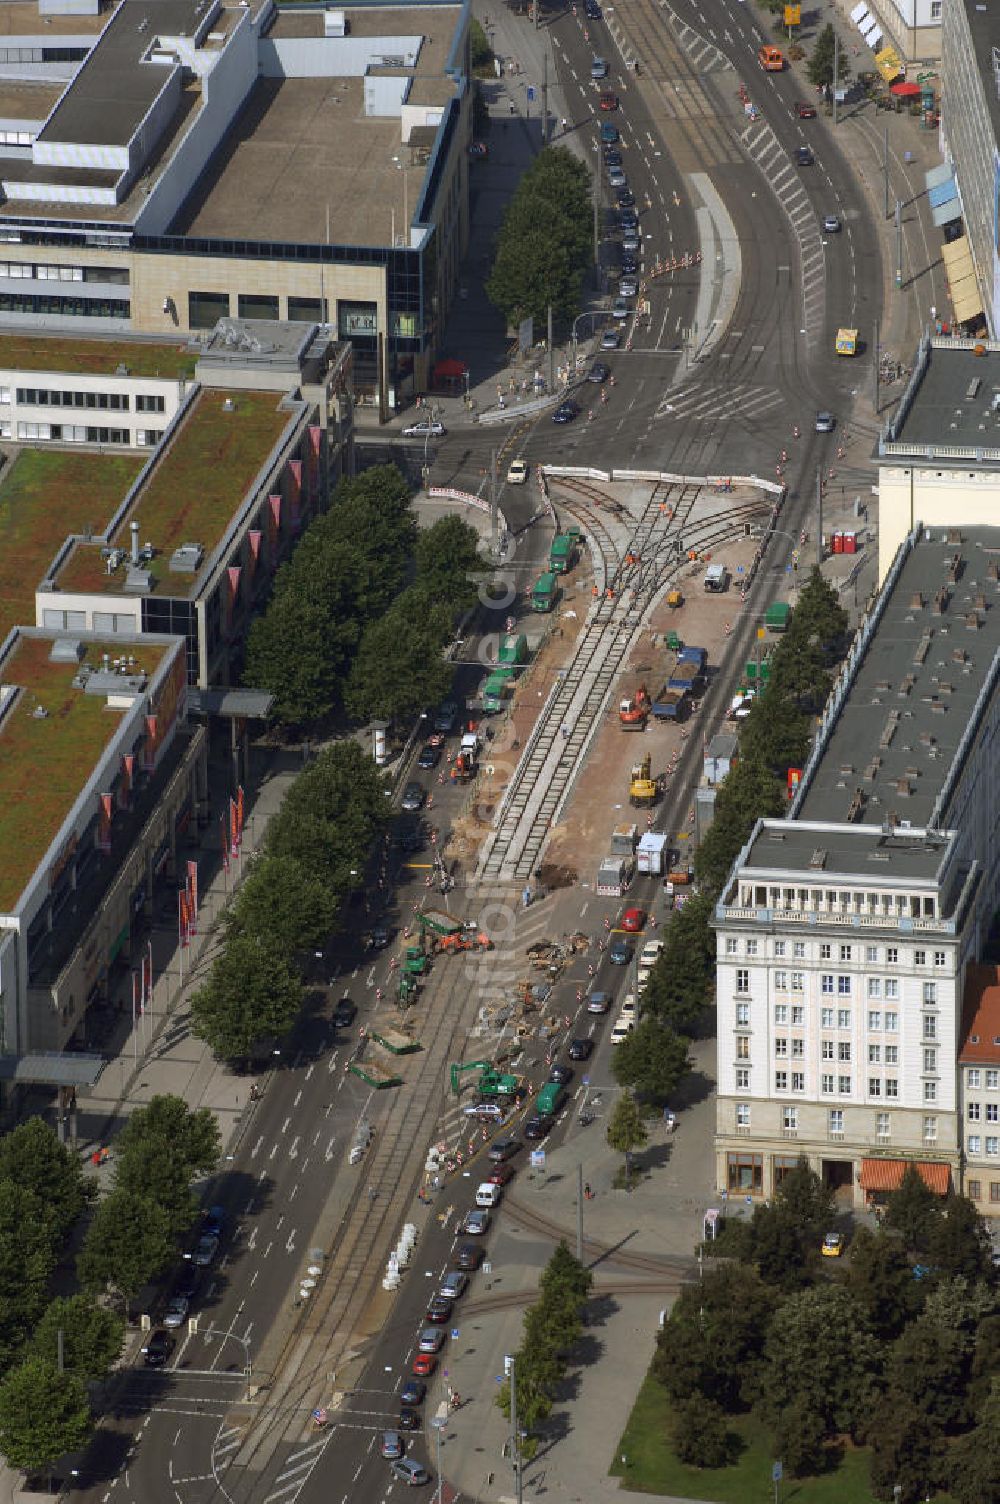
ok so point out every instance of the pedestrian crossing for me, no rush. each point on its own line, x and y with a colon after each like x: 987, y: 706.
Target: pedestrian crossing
x: 703, y: 53
x: 713, y: 404
x: 297, y: 1470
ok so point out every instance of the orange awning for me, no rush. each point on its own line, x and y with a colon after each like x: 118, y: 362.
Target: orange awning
x: 887, y: 1175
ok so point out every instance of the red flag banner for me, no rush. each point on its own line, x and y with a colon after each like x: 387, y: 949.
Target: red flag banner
x: 192, y: 887
x: 128, y: 769
x: 225, y: 843
x: 234, y: 571
x: 255, y: 535
x: 151, y: 741
x: 239, y: 813
x: 234, y: 833
x: 295, y: 470
x: 183, y: 927
x: 275, y: 505
x: 149, y: 974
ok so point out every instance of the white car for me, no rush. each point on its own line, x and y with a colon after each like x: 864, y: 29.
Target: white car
x: 517, y: 475
x: 421, y: 430
x: 630, y: 1007
x: 622, y: 1029
x: 642, y: 977
x: 650, y: 952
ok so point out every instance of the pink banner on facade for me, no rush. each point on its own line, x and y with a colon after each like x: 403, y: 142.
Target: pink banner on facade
x: 275, y: 505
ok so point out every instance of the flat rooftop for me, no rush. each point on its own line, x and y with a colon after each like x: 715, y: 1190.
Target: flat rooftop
x: 46, y: 760
x: 113, y: 91
x: 952, y: 402
x: 45, y: 495
x: 982, y: 22
x: 20, y: 101
x: 910, y: 700
x: 96, y: 356
x: 304, y: 146
x: 824, y: 852
x: 21, y: 18
x: 191, y: 494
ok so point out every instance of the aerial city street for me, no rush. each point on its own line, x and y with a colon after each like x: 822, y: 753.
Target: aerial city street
x: 499, y: 961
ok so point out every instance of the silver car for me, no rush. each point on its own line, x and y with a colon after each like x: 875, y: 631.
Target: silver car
x: 176, y: 1310
x: 409, y: 1472
x: 475, y: 1224
x: 431, y: 1340
x: 628, y: 287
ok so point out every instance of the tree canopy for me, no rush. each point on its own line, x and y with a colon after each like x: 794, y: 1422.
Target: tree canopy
x: 43, y: 1414
x: 652, y: 1060
x: 544, y: 244
x: 252, y: 995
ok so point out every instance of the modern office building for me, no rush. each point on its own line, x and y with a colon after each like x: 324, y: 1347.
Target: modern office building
x: 938, y: 455
x: 847, y: 930
x: 970, y: 129
x: 228, y: 158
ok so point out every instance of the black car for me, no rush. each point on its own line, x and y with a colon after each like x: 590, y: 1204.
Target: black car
x: 430, y: 756
x: 580, y: 1049
x: 539, y: 1126
x: 592, y: 10
x: 468, y: 1256
x: 612, y: 156
x: 413, y: 797
x: 625, y: 198
x: 439, y: 1310
x: 599, y: 372
x: 214, y: 1221
x: 157, y: 1348
x: 620, y: 951
x: 630, y: 266
x: 628, y: 219
x: 563, y: 1074
x: 446, y: 717
x: 412, y: 1392
x: 409, y: 1420
x: 566, y: 412
x: 188, y: 1281
x: 344, y: 1013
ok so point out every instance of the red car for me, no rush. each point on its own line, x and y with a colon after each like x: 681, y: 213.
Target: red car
x: 500, y: 1174
x: 804, y: 110
x: 424, y: 1365
x: 609, y: 101
x: 633, y: 920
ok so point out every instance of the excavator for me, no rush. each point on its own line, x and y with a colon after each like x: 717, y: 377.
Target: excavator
x: 643, y: 789
x: 491, y: 1083
x: 634, y: 713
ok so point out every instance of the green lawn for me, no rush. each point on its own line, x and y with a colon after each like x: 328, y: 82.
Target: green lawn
x: 652, y: 1467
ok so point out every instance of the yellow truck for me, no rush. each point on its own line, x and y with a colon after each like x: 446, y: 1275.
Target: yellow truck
x: 847, y: 342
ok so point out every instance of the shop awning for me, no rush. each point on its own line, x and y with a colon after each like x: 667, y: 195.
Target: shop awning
x: 869, y: 28
x: 874, y: 39
x: 859, y: 14
x: 939, y: 174
x: 957, y: 258
x: 449, y: 369
x: 888, y: 64
x: 905, y: 90
x: 887, y: 1175
x: 943, y: 194
x: 966, y: 301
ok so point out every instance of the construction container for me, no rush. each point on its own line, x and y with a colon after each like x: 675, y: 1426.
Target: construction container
x: 623, y: 839
x: 652, y: 852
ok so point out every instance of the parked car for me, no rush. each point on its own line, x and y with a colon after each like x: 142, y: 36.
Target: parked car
x: 627, y: 218
x: 454, y: 1284
x: 157, y: 1348
x: 630, y: 266
x: 566, y: 412
x: 833, y: 1245
x: 439, y: 1309
x: 176, y: 1311
x: 205, y: 1250
x: 411, y: 839
x: 538, y: 1126
x: 409, y: 1472
x: 423, y: 1365
x: 420, y: 430
x: 612, y: 156
x: 214, y: 1221
x: 188, y: 1281
x: 504, y: 1148
x: 621, y: 310
x: 628, y: 287
x: 831, y: 224
x: 616, y: 175
x: 412, y: 1393
x: 631, y: 240
x: 500, y: 1174
x: 429, y: 756
x: 592, y: 10
x: 610, y: 339
x: 650, y: 952
x: 580, y: 1049
x: 599, y: 372
x: 625, y: 198
x: 413, y: 798
x: 474, y: 1224
x: 468, y: 1256
x: 446, y: 718
x: 409, y: 1420
x: 805, y: 110
x: 391, y: 1446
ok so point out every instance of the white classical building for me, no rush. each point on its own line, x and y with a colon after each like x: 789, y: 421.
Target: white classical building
x: 845, y: 931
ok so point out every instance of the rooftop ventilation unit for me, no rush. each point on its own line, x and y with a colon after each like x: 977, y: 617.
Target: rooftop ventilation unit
x: 67, y: 650
x: 187, y: 559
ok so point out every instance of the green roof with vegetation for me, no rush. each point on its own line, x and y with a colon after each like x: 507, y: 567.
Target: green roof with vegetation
x: 95, y: 357
x: 44, y: 496
x: 194, y: 491
x: 45, y: 760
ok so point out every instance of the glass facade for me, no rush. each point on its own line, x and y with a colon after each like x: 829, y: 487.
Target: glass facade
x: 206, y: 308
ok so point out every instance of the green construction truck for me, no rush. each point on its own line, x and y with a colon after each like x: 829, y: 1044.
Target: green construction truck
x: 498, y: 688
x: 513, y: 650
x: 491, y: 1083
x: 545, y: 593
x: 562, y: 553
x: 777, y: 616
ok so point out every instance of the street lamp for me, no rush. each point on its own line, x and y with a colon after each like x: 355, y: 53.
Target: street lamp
x: 438, y: 1422
x: 591, y: 313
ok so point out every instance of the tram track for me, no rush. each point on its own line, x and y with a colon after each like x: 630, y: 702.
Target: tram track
x: 666, y: 1266
x: 513, y: 1300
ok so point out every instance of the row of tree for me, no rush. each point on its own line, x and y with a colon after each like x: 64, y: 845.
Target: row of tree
x: 316, y: 850
x: 864, y: 1348
x: 551, y: 1328
x: 54, y: 1351
x: 544, y: 244
x: 362, y: 610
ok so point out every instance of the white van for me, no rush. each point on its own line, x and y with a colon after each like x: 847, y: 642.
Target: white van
x: 622, y: 1029
x: 716, y: 578
x: 487, y: 1195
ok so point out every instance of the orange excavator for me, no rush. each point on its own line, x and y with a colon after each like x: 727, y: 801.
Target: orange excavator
x: 633, y: 713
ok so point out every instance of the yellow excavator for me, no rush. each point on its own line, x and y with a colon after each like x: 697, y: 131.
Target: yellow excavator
x: 643, y: 789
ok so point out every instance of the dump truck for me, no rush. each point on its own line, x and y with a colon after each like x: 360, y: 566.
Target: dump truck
x: 687, y: 677
x: 777, y: 616
x: 643, y: 789
x: 633, y: 712
x: 671, y: 704
x: 847, y: 342
x: 545, y: 593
